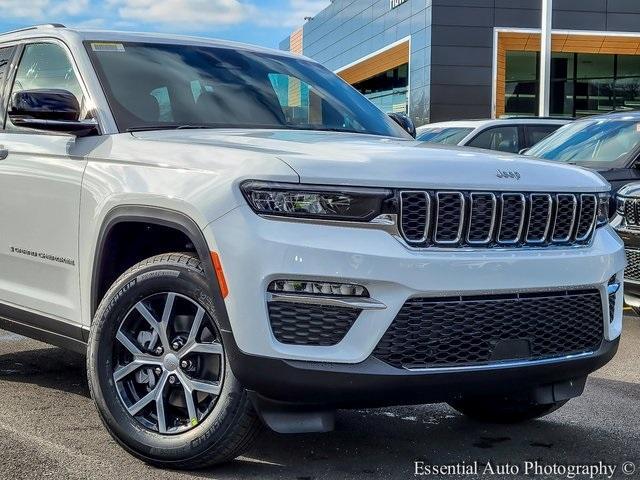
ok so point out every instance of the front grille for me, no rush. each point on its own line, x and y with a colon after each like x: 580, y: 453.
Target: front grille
x: 632, y: 211
x: 302, y: 324
x: 456, y: 219
x: 465, y: 331
x: 632, y: 272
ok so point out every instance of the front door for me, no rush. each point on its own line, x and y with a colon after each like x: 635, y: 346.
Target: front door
x: 40, y: 181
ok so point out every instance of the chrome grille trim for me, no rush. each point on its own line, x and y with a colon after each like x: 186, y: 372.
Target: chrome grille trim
x: 566, y: 238
x: 494, y: 208
x: 427, y: 199
x: 455, y: 241
x: 458, y: 219
x: 545, y: 235
x: 523, y: 206
x: 581, y: 238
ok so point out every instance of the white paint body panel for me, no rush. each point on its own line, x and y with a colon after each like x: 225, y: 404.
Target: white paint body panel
x: 40, y: 184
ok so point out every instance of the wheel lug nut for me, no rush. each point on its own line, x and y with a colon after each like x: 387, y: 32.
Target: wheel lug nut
x: 175, y: 345
x: 158, y: 371
x: 173, y: 380
x: 184, y: 364
x: 159, y: 350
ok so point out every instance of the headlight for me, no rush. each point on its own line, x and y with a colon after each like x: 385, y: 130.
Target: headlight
x: 314, y: 201
x: 620, y: 205
x: 604, y: 209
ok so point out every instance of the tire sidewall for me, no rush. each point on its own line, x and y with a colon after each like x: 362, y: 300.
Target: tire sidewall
x: 121, y: 298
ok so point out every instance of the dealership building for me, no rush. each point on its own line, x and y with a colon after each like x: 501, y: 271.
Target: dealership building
x: 450, y: 59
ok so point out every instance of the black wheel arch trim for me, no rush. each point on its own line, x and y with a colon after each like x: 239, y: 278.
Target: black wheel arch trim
x: 166, y: 218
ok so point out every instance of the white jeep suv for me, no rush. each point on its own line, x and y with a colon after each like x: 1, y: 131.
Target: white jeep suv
x: 236, y: 237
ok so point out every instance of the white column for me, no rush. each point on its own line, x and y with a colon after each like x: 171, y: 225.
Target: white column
x: 545, y: 57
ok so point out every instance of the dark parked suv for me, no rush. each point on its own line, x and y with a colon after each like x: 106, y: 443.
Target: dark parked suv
x: 609, y: 144
x: 627, y: 224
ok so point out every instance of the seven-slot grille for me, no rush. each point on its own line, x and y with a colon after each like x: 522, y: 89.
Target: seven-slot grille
x: 453, y: 219
x: 480, y: 330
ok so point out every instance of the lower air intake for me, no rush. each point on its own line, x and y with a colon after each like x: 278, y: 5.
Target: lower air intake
x: 468, y: 331
x: 313, y: 325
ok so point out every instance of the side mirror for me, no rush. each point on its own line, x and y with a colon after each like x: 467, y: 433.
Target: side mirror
x: 523, y: 151
x: 49, y: 109
x: 405, y: 122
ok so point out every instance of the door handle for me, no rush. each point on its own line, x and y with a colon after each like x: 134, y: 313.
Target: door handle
x: 4, y: 153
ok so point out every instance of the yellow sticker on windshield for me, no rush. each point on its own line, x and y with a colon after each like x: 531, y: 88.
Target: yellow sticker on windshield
x: 107, y: 47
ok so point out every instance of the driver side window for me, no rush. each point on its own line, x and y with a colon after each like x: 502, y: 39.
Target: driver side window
x: 47, y: 66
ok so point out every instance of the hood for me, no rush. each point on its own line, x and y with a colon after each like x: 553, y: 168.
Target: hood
x: 630, y: 190
x: 368, y: 160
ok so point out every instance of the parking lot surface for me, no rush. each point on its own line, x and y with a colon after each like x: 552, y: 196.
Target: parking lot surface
x: 49, y: 428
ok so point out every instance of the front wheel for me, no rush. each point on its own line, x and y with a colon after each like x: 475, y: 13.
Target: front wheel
x: 158, y: 371
x: 501, y: 410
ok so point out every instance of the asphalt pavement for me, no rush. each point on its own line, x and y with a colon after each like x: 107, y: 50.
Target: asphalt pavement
x: 49, y: 429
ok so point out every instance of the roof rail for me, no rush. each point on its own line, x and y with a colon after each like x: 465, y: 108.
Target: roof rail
x: 35, y: 27
x: 533, y: 117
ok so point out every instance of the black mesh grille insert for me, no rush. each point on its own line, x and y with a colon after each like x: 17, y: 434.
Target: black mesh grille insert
x: 513, y: 205
x: 481, y: 330
x: 450, y: 214
x: 565, y: 214
x: 483, y: 207
x: 631, y: 211
x: 632, y: 272
x: 415, y: 220
x: 298, y: 324
x: 588, y: 207
x: 539, y: 219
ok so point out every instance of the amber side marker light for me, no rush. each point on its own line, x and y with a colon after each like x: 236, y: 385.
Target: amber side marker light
x: 222, y: 282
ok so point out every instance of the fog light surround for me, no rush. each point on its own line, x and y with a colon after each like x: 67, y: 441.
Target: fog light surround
x: 309, y: 287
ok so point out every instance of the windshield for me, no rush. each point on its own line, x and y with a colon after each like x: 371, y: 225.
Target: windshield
x: 598, y: 141
x: 446, y: 136
x: 155, y: 86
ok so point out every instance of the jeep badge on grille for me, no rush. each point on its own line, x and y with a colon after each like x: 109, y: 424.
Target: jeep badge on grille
x: 508, y: 174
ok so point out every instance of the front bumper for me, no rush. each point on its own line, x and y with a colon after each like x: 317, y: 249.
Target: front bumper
x: 255, y: 251
x: 373, y: 383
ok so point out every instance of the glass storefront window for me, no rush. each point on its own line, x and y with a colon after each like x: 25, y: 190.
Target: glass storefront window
x: 521, y: 83
x: 581, y: 84
x: 387, y: 90
x: 562, y: 85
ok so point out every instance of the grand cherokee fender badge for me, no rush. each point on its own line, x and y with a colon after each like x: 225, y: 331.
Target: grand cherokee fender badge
x: 42, y: 255
x: 508, y: 174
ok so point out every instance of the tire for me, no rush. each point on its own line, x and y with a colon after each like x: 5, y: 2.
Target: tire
x: 219, y: 423
x: 503, y: 411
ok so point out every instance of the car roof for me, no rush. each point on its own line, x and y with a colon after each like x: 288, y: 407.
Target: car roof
x: 496, y: 122
x: 633, y: 115
x: 62, y: 32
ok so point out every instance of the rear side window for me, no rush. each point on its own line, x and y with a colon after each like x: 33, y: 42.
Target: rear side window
x: 445, y: 136
x: 6, y: 54
x: 502, y: 139
x: 536, y: 133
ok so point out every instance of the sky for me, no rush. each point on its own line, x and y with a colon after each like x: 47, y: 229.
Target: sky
x: 262, y: 22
